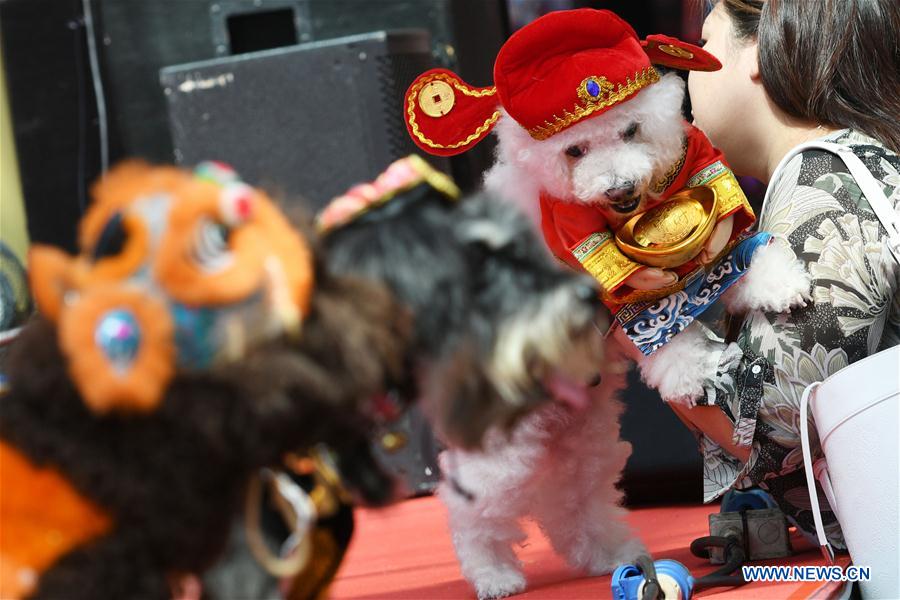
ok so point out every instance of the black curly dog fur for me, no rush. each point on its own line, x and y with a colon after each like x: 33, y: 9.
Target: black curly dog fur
x: 173, y: 481
x: 467, y: 270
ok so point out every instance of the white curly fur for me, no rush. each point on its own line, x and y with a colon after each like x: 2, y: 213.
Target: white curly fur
x: 679, y: 369
x: 525, y: 166
x: 775, y: 282
x: 558, y: 467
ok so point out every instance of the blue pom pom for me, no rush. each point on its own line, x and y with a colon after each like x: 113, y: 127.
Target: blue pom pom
x: 119, y: 336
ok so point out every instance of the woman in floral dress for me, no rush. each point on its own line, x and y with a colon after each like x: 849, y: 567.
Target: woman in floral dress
x: 794, y: 71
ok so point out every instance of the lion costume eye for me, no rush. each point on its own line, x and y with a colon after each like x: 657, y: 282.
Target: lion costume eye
x: 121, y: 247
x: 112, y: 238
x: 211, y: 250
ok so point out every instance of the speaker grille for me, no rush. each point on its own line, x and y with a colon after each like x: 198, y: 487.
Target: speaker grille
x: 395, y: 73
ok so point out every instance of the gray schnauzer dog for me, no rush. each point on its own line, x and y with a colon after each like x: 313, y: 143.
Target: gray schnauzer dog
x: 499, y: 327
x: 514, y: 373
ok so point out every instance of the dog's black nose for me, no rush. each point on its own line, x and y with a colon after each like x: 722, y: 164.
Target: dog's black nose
x: 622, y: 193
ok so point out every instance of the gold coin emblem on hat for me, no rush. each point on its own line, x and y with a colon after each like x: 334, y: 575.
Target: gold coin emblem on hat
x: 676, y: 51
x: 436, y: 99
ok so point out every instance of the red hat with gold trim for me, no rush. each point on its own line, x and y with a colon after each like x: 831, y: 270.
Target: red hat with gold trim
x: 564, y: 67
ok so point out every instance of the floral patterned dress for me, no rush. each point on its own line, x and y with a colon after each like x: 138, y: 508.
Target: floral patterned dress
x: 818, y: 207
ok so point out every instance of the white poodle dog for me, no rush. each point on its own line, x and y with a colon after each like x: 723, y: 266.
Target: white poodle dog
x: 610, y: 162
x: 560, y: 465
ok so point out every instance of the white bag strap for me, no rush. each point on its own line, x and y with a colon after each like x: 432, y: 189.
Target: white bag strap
x: 824, y: 546
x: 867, y: 184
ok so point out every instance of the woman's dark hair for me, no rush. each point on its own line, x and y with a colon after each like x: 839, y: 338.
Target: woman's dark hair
x: 834, y: 62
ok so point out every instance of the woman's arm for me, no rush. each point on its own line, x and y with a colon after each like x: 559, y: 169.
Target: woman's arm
x: 715, y: 425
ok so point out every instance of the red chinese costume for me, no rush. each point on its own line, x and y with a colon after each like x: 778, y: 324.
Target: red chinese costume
x: 557, y: 71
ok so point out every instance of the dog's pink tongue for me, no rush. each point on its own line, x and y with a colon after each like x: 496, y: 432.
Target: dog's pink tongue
x: 568, y: 392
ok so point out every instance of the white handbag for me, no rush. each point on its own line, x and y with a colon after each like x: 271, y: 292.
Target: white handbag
x: 857, y: 416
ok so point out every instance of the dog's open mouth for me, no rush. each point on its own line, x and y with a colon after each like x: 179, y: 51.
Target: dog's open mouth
x: 626, y: 205
x: 571, y: 393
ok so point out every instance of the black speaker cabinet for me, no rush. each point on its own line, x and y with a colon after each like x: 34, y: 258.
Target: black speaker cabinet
x: 309, y: 120
x: 139, y: 37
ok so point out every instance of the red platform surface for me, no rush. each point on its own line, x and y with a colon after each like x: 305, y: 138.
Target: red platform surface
x: 405, y: 552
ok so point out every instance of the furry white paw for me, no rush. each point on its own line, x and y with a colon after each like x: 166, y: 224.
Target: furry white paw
x: 679, y: 369
x: 606, y: 563
x: 775, y: 282
x: 498, y: 582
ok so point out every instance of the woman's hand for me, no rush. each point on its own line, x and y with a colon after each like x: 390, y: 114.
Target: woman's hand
x: 716, y: 242
x: 651, y: 278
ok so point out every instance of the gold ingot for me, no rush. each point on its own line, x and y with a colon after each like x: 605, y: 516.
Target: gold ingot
x: 436, y: 98
x: 672, y: 223
x: 676, y: 51
x: 672, y: 233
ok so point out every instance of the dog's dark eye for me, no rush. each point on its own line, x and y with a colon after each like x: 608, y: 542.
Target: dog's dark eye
x: 575, y: 151
x: 630, y: 132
